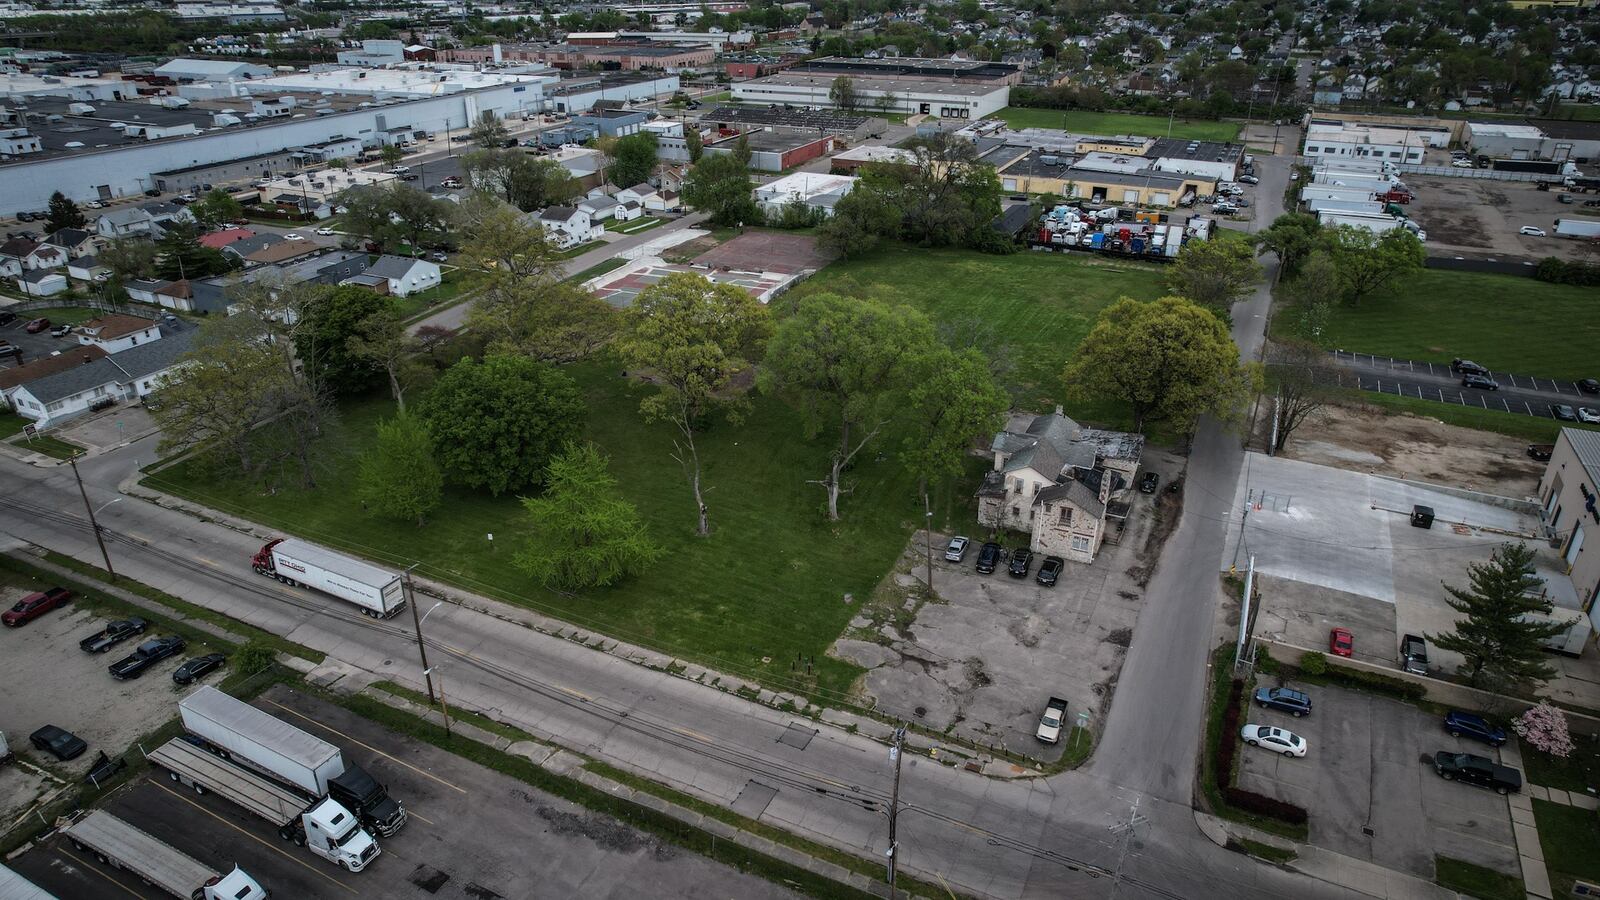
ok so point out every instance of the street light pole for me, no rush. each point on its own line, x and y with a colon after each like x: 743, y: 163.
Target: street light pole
x: 73, y: 461
x: 927, y: 530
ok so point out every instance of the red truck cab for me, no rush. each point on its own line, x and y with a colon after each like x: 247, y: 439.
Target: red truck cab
x: 34, y: 605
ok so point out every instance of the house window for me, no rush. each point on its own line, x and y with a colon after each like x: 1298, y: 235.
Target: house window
x: 135, y: 340
x: 1080, y: 544
x: 1066, y: 515
x: 54, y: 407
x: 1016, y: 511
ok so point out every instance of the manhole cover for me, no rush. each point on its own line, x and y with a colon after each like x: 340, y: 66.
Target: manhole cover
x: 753, y: 800
x: 797, y: 737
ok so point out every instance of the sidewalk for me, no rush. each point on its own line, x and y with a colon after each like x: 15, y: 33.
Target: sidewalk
x: 1357, y: 875
x: 1530, y: 854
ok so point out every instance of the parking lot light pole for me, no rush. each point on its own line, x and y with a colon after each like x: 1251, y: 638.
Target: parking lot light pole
x: 93, y: 525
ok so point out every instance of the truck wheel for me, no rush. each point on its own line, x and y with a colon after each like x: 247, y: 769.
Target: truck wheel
x: 200, y: 789
x: 286, y: 833
x: 174, y: 777
x: 78, y: 846
x: 299, y: 838
x: 1447, y: 776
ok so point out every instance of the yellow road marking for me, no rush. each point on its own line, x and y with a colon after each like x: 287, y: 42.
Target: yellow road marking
x: 419, y: 817
x: 352, y: 740
x: 268, y: 844
x: 87, y: 865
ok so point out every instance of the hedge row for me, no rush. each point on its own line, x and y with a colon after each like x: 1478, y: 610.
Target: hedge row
x: 1238, y: 798
x: 1362, y: 680
x: 1559, y: 271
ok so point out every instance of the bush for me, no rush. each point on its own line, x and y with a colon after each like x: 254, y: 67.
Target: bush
x: 1262, y: 805
x: 1238, y: 798
x: 1313, y: 663
x: 1375, y: 682
x: 1559, y: 271
x: 1265, y: 664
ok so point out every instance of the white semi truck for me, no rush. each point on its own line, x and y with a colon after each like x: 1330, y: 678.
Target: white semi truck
x: 379, y: 592
x: 324, y: 827
x: 314, y: 768
x: 118, y: 844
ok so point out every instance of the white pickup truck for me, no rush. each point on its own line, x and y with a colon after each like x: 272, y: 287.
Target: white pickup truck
x: 1053, y: 720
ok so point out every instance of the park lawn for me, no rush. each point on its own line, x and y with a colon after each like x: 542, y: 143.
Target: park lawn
x: 1570, y: 838
x: 1083, y: 121
x: 1578, y: 773
x: 1505, y: 322
x: 766, y: 587
x: 1031, y: 308
x: 1477, y: 881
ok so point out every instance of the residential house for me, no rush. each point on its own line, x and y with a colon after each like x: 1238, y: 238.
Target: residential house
x: 277, y: 252
x: 217, y: 240
x: 143, y: 290
x: 1061, y: 483
x: 568, y: 226
x: 637, y: 194
x: 129, y: 221
x: 16, y: 376
x: 176, y: 294
x: 20, y: 255
x: 404, y: 276
x: 649, y: 198
x: 163, y: 213
x: 600, y: 207
x: 133, y: 374
x: 87, y: 268
x: 75, y: 242
x: 242, y: 248
x: 116, y: 332
x: 42, y: 283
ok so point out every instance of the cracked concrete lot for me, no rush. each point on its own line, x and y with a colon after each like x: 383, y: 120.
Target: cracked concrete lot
x: 980, y: 657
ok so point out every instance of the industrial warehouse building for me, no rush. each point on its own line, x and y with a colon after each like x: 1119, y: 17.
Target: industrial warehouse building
x: 947, y: 101
x: 854, y: 128
x: 774, y: 152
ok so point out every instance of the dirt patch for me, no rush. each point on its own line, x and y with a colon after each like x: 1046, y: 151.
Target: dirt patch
x: 603, y: 830
x: 767, y: 251
x: 1365, y: 439
x: 685, y: 252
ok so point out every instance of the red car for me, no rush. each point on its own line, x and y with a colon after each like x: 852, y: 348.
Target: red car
x: 36, y: 326
x: 34, y: 605
x: 1341, y: 642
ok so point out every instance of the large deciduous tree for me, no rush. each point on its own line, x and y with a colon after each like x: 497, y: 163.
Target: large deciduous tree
x: 399, y: 477
x: 1502, y: 629
x: 496, y: 424
x: 693, y: 338
x: 382, y: 341
x: 720, y: 185
x: 1291, y: 237
x: 63, y: 213
x: 1367, y: 262
x: 845, y: 363
x: 216, y: 208
x: 583, y: 534
x: 1295, y: 370
x: 1168, y: 359
x: 1214, y: 273
x: 520, y: 179
x: 489, y: 130
x: 322, y: 341
x: 395, y: 213
x: 633, y: 159
x: 953, y: 398
x: 842, y: 93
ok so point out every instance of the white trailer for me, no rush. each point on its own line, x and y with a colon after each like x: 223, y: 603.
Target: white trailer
x: 1174, y: 239
x: 260, y: 741
x: 324, y: 827
x: 1347, y: 206
x: 378, y: 591
x: 1328, y: 192
x: 1375, y: 223
x: 1576, y: 227
x: 120, y: 845
x: 15, y: 887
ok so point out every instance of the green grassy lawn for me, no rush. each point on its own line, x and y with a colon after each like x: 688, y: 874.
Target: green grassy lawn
x: 65, y: 315
x: 11, y: 423
x: 1032, y: 308
x: 766, y: 587
x: 451, y: 285
x: 1581, y: 112
x: 1507, y: 323
x: 49, y: 446
x: 1080, y: 121
x: 1570, y: 838
x: 1477, y: 881
x: 599, y: 268
x: 1577, y: 773
x: 643, y: 223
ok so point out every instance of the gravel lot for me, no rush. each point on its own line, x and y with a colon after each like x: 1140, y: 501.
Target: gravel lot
x: 1478, y: 219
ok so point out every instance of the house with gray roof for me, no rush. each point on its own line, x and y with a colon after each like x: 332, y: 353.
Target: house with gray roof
x: 404, y: 276
x: 1061, y: 483
x: 130, y: 375
x: 129, y: 221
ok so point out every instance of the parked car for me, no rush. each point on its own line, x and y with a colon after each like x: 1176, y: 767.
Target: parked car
x: 1467, y: 367
x: 1541, y: 451
x: 1249, y: 179
x: 451, y: 182
x: 58, y: 742
x: 96, y: 204
x: 1414, y: 654
x: 35, y: 605
x: 193, y: 670
x: 1588, y: 385
x: 956, y: 549
x: 1341, y: 642
x: 112, y: 635
x: 1589, y: 414
x: 144, y: 656
x: 1564, y: 198
x: 24, y: 216
x: 1482, y: 382
x: 6, y: 318
x: 1274, y: 738
x: 61, y: 331
x: 1464, y: 724
x: 1049, y: 571
x: 1531, y: 231
x: 1477, y: 770
x: 1293, y: 702
x: 1461, y: 163
x: 35, y: 326
x: 988, y: 558
x: 1148, y: 482
x: 410, y: 176
x: 1021, y: 562
x: 1563, y: 412
x: 152, y: 192
x: 292, y: 236
x: 439, y: 256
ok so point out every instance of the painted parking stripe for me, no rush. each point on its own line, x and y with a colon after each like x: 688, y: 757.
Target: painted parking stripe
x: 352, y: 740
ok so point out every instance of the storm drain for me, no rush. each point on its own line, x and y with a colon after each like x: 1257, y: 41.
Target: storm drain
x: 753, y: 800
x: 797, y: 737
x: 429, y: 879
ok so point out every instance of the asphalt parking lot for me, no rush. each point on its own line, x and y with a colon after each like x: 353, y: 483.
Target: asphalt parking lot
x: 473, y: 834
x: 1531, y: 395
x: 33, y: 346
x: 1480, y: 218
x: 1364, y: 772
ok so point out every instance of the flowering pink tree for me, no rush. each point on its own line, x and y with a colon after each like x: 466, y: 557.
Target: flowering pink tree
x: 1545, y: 728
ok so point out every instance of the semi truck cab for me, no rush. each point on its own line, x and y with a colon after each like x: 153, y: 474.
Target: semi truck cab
x: 335, y: 834
x: 236, y: 885
x: 364, y: 795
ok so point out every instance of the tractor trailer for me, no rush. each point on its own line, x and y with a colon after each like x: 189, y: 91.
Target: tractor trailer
x: 379, y: 592
x: 1331, y: 192
x: 118, y: 844
x: 1574, y: 227
x: 324, y: 827
x: 314, y: 768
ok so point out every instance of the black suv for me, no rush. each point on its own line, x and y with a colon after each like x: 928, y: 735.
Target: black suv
x: 1049, y: 571
x: 1477, y: 770
x: 1290, y: 701
x: 1467, y: 367
x: 1021, y: 560
x: 144, y: 656
x: 1484, y: 382
x: 988, y: 558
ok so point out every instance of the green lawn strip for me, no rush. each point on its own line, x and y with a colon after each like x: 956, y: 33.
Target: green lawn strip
x: 1110, y: 124
x: 1477, y: 881
x: 633, y: 815
x: 634, y: 227
x: 1506, y: 322
x: 599, y: 268
x: 11, y: 423
x: 1029, y: 309
x: 1578, y: 773
x: 452, y: 285
x: 1533, y: 429
x: 1570, y: 838
x: 243, y: 629
x: 494, y: 726
x: 1260, y: 850
x: 581, y: 249
x: 64, y: 315
x: 1211, y: 780
x: 49, y: 446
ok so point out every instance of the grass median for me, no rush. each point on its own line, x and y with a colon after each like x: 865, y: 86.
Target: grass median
x: 1113, y: 124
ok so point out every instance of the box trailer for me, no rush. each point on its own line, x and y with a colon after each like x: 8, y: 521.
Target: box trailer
x: 1355, y: 182
x: 120, y: 845
x: 1346, y: 206
x: 243, y: 734
x: 379, y: 592
x: 1577, y: 227
x: 1378, y: 223
x: 1329, y: 192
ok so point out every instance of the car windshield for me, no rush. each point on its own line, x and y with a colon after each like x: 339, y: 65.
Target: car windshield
x: 1052, y: 720
x: 21, y: 605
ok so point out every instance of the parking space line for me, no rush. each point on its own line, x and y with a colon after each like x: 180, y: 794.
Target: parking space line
x: 265, y: 843
x: 95, y: 869
x: 420, y: 817
x: 352, y: 740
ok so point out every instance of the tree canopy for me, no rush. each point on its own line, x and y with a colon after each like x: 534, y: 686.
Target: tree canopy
x: 1501, y: 632
x: 583, y: 534
x: 63, y: 213
x: 633, y: 159
x: 720, y: 185
x: 1214, y: 273
x: 322, y: 342
x: 399, y: 478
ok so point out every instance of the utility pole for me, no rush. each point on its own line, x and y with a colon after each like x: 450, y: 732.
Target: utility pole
x: 927, y: 530
x: 422, y: 647
x: 894, y: 805
x: 73, y: 461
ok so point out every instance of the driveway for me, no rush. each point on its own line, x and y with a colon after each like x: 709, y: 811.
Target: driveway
x: 1368, y: 790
